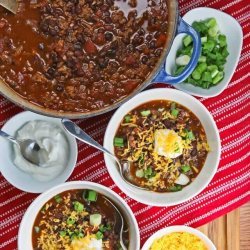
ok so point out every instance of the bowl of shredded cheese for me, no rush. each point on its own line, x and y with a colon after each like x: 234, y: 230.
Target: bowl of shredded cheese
x: 178, y: 238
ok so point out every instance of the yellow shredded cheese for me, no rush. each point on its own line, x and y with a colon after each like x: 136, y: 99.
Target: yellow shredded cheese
x: 179, y: 241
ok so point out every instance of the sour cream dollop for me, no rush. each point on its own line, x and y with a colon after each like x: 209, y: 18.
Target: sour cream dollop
x: 50, y: 137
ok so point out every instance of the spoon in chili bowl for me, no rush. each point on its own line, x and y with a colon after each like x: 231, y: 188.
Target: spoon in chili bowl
x: 78, y: 133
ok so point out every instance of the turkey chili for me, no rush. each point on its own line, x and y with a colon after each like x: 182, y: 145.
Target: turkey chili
x: 80, y: 55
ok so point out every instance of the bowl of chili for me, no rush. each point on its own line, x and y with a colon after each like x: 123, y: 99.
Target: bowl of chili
x: 172, y: 144
x: 86, y: 59
x: 76, y: 215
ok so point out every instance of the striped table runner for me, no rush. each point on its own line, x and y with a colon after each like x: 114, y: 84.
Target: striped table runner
x: 229, y: 188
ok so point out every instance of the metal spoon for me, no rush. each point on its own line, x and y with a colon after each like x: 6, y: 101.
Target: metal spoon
x: 122, y: 222
x: 123, y: 166
x: 29, y: 149
x: 11, y: 5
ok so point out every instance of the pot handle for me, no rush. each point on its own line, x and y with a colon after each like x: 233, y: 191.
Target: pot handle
x: 163, y: 76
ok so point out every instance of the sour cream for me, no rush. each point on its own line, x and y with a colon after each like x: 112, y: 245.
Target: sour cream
x: 50, y: 137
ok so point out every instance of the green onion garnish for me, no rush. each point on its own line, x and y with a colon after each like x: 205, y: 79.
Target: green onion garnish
x: 58, y: 198
x: 78, y: 206
x: 62, y: 233
x: 127, y: 118
x: 174, y: 112
x: 145, y: 112
x: 92, y: 195
x: 71, y: 221
x: 185, y: 168
x: 37, y: 229
x: 190, y: 135
x: 99, y: 235
x: 175, y: 188
x: 119, y: 142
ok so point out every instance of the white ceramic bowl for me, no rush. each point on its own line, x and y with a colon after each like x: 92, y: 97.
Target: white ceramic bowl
x: 25, y: 229
x: 229, y: 27
x: 173, y: 229
x: 208, y: 170
x: 17, y: 177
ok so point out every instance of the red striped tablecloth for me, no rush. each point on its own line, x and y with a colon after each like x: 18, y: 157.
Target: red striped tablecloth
x: 229, y: 188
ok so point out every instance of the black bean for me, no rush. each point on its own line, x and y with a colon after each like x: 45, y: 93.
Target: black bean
x: 108, y: 36
x: 59, y: 88
x: 144, y: 59
x: 152, y: 44
x: 41, y: 46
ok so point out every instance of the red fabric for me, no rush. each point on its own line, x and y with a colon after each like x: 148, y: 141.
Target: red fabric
x: 229, y: 188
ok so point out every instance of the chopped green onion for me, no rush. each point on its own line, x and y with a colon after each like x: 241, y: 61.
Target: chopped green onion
x: 139, y: 173
x: 73, y: 237
x: 222, y: 40
x: 179, y: 70
x: 174, y: 112
x: 196, y: 74
x: 58, y: 198
x: 182, y: 60
x: 211, y: 22
x: 206, y: 76
x: 62, y: 233
x: 214, y: 73
x: 127, y: 118
x: 190, y: 135
x: 218, y: 77
x: 71, y: 221
x: 119, y: 142
x: 95, y: 219
x: 187, y: 40
x: 202, y: 59
x: 204, y: 39
x: 145, y: 113
x: 92, y: 195
x: 213, y: 31
x: 148, y: 173
x: 78, y: 206
x: 37, y: 229
x: 185, y: 168
x: 175, y: 188
x: 99, y: 235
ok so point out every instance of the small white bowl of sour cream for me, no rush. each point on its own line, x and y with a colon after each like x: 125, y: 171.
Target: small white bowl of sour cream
x: 49, y: 134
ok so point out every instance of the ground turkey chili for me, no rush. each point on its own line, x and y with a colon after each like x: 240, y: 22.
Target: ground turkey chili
x: 80, y: 55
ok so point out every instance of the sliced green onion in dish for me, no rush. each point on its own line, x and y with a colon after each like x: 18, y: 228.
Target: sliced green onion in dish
x: 95, y: 220
x: 174, y: 112
x: 145, y: 112
x: 185, y: 168
x: 127, y: 118
x: 62, y: 233
x: 92, y: 195
x: 139, y: 173
x: 190, y: 135
x: 58, y: 198
x: 175, y: 188
x: 78, y: 206
x: 71, y: 221
x: 37, y: 229
x: 119, y: 142
x: 99, y: 235
x: 214, y: 54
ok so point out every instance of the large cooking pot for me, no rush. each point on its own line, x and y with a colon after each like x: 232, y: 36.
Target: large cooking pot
x: 158, y: 75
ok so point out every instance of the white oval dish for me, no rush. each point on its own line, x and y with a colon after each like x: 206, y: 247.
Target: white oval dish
x: 208, y: 170
x: 17, y: 177
x: 229, y: 27
x: 25, y: 229
x: 173, y: 229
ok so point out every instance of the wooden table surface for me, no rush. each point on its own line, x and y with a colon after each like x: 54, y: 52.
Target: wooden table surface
x: 232, y: 231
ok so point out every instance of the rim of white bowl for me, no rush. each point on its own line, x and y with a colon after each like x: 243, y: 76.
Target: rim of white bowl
x: 180, y: 228
x: 71, y: 141
x: 144, y: 97
x: 47, y: 195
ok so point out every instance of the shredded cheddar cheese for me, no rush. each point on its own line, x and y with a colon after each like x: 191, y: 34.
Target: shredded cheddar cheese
x: 179, y: 241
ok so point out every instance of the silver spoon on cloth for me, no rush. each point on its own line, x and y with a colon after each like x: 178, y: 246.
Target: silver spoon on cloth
x: 11, y: 5
x: 123, y: 166
x: 121, y: 225
x: 29, y: 149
